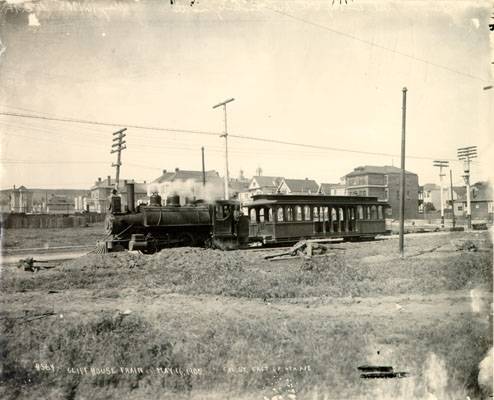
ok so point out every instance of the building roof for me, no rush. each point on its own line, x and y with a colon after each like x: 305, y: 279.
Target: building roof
x: 301, y: 185
x: 184, y: 175
x: 431, y: 186
x: 326, y: 187
x: 374, y: 169
x: 481, y: 191
x: 264, y: 181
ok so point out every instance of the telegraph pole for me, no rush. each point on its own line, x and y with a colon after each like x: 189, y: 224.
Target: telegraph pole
x: 466, y: 154
x: 452, y: 200
x: 117, y: 147
x: 402, y: 183
x: 225, y: 135
x: 203, y: 168
x: 441, y: 164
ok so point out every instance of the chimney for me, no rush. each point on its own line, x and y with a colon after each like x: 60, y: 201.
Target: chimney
x: 176, y: 170
x: 109, y: 180
x: 164, y: 171
x: 99, y: 179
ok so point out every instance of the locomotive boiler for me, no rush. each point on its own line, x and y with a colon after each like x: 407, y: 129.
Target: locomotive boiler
x: 150, y: 228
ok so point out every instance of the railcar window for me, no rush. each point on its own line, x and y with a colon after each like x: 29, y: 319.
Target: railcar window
x: 333, y: 214
x: 270, y: 214
x: 280, y: 214
x: 373, y: 212
x: 306, y: 213
x: 261, y: 215
x: 360, y: 212
x: 253, y: 215
x: 380, y: 212
x: 315, y: 214
x: 342, y: 216
x: 298, y: 213
x: 219, y: 211
x: 289, y: 213
x: 325, y: 214
x: 226, y: 211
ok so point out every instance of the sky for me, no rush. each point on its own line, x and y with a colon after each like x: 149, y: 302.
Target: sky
x: 316, y: 73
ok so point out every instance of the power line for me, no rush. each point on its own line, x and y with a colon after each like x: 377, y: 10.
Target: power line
x: 377, y: 45
x: 242, y: 137
x: 89, y: 122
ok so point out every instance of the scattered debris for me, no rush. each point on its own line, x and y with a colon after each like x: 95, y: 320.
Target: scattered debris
x: 465, y: 245
x: 380, y: 372
x: 31, y: 265
x: 305, y: 249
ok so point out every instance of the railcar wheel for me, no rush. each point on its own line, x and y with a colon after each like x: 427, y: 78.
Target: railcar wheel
x: 187, y: 239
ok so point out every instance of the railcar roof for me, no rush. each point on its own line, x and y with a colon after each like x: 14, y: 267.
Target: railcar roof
x: 270, y: 199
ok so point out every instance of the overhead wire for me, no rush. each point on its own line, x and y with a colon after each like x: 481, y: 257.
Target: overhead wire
x: 242, y: 137
x: 377, y: 45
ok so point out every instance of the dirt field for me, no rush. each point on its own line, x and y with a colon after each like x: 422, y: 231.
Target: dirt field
x: 14, y: 239
x: 204, y: 324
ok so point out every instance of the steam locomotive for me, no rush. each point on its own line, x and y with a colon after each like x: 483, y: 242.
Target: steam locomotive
x: 152, y: 227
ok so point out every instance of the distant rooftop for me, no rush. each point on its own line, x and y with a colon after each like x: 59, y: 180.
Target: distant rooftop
x: 374, y: 169
x: 302, y: 185
x: 184, y: 175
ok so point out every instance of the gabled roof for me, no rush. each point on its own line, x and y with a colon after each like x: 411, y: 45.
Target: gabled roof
x: 374, y: 169
x: 264, y: 181
x: 301, y: 185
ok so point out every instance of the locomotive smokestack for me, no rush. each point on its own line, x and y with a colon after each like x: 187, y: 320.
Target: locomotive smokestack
x: 130, y: 197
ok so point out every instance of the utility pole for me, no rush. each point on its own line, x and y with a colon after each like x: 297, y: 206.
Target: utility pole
x: 402, y: 183
x: 117, y: 147
x: 203, y: 168
x: 466, y: 154
x: 452, y: 200
x: 441, y: 164
x: 225, y: 135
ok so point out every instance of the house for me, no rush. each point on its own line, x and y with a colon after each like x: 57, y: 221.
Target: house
x: 481, y: 202
x: 332, y: 189
x: 101, y: 191
x: 188, y: 185
x: 260, y: 185
x: 298, y: 186
x: 59, y: 205
x: 383, y: 182
x: 21, y: 200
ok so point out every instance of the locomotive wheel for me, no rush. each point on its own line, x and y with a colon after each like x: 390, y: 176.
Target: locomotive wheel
x: 187, y: 239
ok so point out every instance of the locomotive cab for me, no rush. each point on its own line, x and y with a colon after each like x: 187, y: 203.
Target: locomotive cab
x: 230, y: 229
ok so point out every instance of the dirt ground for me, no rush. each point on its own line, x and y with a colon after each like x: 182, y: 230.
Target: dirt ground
x: 205, y: 324
x: 14, y: 239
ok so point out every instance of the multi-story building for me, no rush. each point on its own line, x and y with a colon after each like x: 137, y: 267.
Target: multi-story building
x: 101, y: 191
x: 21, y: 200
x: 260, y: 185
x: 383, y: 182
x: 332, y: 189
x: 188, y: 185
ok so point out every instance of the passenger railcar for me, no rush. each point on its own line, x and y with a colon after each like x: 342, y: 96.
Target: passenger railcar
x: 281, y: 218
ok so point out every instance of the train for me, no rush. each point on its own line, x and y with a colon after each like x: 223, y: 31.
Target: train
x: 268, y: 219
x: 151, y: 227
